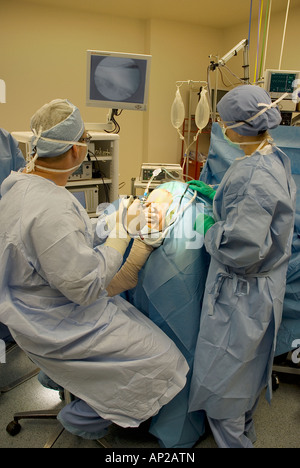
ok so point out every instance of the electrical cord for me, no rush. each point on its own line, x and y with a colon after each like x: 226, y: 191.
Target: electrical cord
x: 117, y: 127
x: 100, y: 174
x: 156, y: 172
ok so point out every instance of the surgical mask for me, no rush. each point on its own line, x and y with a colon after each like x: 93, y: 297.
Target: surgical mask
x: 48, y: 169
x: 245, y: 143
x: 261, y: 143
x: 231, y: 143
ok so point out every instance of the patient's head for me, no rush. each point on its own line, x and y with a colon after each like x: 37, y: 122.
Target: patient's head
x: 159, y: 201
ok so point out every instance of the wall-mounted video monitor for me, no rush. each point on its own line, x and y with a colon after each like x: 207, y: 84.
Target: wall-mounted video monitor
x: 117, y: 80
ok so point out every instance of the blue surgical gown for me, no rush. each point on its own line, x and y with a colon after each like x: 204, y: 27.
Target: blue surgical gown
x: 220, y: 158
x: 250, y: 246
x: 11, y: 159
x: 53, y: 299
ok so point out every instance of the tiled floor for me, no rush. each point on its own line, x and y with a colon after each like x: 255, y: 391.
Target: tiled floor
x: 277, y: 426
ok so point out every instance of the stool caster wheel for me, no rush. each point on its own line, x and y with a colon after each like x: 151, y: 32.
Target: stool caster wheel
x: 13, y: 428
x: 275, y: 382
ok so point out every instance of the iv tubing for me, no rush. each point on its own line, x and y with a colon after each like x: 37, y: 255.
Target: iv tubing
x: 155, y: 174
x: 261, y: 2
x: 284, y: 32
x: 261, y: 71
x: 267, y: 38
x: 250, y: 21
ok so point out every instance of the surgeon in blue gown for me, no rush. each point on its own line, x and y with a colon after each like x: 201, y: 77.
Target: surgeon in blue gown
x: 250, y: 246
x: 11, y: 159
x: 121, y: 367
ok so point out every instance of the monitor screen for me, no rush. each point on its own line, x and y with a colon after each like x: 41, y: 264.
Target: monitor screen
x: 117, y: 80
x: 220, y: 94
x: 278, y: 82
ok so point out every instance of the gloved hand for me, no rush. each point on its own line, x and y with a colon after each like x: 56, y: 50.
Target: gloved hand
x: 202, y: 188
x: 203, y: 223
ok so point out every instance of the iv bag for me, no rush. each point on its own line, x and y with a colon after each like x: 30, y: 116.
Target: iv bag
x: 202, y: 113
x: 177, y: 111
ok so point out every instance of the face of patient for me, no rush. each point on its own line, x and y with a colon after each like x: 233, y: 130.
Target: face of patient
x: 158, y: 202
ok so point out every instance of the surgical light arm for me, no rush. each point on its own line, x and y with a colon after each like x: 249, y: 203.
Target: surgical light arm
x: 222, y: 62
x: 233, y: 52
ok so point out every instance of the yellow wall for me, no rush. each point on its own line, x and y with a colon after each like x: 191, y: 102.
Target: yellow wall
x: 180, y: 53
x: 291, y: 56
x: 43, y: 57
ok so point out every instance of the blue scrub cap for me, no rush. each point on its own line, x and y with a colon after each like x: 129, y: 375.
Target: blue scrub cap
x: 249, y: 110
x: 56, y: 126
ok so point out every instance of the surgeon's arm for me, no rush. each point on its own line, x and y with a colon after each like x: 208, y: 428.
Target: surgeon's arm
x: 244, y: 237
x: 153, y: 216
x: 70, y: 265
x: 58, y: 248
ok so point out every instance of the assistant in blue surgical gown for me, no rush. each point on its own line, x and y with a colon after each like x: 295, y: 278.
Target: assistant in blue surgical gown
x: 220, y: 158
x: 250, y: 247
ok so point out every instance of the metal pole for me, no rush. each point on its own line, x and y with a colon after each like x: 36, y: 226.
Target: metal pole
x: 246, y: 64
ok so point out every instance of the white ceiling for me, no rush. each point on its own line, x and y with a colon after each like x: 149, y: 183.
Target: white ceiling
x: 212, y: 13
